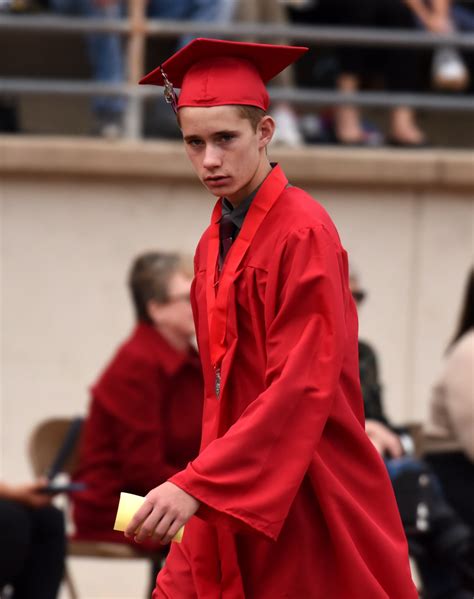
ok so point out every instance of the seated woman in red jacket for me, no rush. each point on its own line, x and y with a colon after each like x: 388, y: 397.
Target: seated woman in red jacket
x: 144, y: 422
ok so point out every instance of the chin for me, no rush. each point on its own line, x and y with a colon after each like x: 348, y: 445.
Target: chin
x: 214, y: 192
x: 222, y: 192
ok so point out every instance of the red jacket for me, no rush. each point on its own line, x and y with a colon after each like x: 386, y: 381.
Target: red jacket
x: 143, y: 426
x: 296, y: 502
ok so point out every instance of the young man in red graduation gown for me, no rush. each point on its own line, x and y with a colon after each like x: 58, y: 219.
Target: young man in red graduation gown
x: 144, y: 422
x: 288, y: 498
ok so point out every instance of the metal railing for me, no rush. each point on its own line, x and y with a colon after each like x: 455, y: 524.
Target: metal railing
x: 137, y: 28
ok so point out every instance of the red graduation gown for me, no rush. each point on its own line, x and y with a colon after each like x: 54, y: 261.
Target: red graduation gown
x: 144, y: 425
x: 296, y: 502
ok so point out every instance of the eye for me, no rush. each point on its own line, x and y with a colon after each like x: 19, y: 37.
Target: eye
x: 226, y: 137
x: 195, y: 143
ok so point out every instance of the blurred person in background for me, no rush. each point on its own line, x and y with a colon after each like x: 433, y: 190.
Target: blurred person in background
x: 287, y: 130
x: 144, y: 421
x: 388, y: 439
x: 33, y: 543
x: 440, y: 542
x: 399, y: 66
x: 451, y: 425
x: 441, y: 17
x: 105, y: 49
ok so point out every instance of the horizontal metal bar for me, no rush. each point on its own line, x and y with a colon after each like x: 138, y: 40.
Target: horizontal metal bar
x: 310, y: 97
x: 374, y: 99
x: 327, y: 36
x: 54, y: 24
x: 10, y: 85
x: 322, y: 36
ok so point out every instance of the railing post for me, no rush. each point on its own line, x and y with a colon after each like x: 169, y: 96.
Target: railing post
x: 135, y: 63
x: 133, y: 122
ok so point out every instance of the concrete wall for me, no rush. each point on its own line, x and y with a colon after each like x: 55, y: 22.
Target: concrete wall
x: 74, y: 213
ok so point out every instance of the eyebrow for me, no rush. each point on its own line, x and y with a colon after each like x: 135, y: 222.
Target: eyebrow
x: 194, y: 136
x: 190, y: 137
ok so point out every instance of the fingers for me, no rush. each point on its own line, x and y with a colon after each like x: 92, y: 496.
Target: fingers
x: 164, y: 511
x: 162, y: 527
x: 172, y: 532
x: 40, y: 483
x: 150, y: 524
x: 140, y: 516
x: 377, y: 445
x: 395, y: 448
x: 37, y: 500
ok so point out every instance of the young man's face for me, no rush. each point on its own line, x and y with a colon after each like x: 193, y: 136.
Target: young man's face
x: 226, y: 153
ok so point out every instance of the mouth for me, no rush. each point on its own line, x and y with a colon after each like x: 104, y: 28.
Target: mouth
x: 216, y: 180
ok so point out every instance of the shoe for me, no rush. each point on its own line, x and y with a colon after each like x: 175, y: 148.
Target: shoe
x: 448, y: 70
x: 8, y: 118
x: 400, y: 143
x: 313, y: 129
x: 109, y: 125
x: 371, y: 138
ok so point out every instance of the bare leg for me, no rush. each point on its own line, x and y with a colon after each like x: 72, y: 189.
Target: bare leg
x: 403, y: 126
x: 348, y: 126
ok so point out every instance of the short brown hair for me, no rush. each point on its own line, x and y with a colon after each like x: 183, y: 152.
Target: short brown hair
x: 251, y: 113
x: 149, y: 279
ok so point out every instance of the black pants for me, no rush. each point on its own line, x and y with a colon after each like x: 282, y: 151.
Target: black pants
x: 400, y: 67
x: 456, y: 473
x: 32, y: 550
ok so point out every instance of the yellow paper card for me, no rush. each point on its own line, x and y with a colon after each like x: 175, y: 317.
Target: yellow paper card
x: 129, y: 504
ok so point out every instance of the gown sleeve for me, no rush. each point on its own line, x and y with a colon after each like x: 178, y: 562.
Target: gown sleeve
x: 249, y: 477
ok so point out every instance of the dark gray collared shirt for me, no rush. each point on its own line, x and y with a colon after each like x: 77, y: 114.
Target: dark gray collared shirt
x: 238, y: 214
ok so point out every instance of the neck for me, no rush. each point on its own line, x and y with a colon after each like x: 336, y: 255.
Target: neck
x: 177, y: 341
x: 262, y: 172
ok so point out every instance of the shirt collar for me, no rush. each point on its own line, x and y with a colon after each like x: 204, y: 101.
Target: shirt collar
x: 170, y: 359
x: 238, y: 214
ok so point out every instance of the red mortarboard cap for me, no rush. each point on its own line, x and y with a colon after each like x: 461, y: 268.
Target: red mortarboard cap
x: 214, y: 72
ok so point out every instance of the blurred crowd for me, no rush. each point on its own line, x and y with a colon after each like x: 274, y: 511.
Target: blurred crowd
x: 347, y: 68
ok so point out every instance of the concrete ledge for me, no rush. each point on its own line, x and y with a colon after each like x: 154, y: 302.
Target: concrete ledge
x: 381, y: 167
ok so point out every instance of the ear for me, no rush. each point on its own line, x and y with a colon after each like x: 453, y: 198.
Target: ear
x: 265, y: 131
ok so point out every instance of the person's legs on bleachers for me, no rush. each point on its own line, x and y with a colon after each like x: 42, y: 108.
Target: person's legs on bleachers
x: 355, y: 61
x: 107, y: 63
x: 402, y: 68
x: 105, y: 59
x: 161, y: 121
x: 206, y: 11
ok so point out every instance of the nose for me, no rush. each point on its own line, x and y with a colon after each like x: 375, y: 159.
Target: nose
x: 212, y: 158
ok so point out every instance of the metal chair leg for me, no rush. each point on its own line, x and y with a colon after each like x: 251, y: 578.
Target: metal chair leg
x: 69, y: 582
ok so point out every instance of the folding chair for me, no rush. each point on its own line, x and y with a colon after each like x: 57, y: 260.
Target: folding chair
x: 53, y: 448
